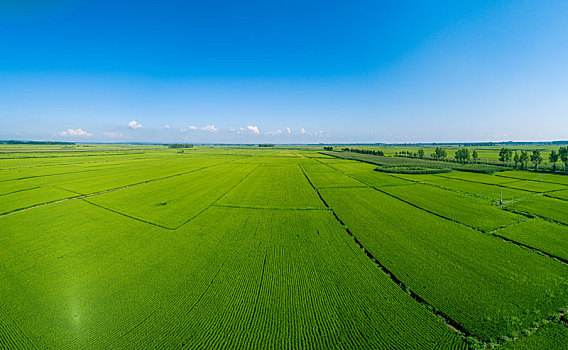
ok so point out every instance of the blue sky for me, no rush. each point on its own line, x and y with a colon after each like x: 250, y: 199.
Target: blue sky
x: 290, y: 72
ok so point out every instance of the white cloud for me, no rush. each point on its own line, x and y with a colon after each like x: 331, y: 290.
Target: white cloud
x: 167, y: 126
x: 210, y: 128
x: 288, y: 130
x: 254, y: 129
x: 189, y: 128
x: 75, y: 133
x: 114, y: 135
x: 272, y: 133
x: 250, y: 128
x: 135, y: 125
x: 302, y: 131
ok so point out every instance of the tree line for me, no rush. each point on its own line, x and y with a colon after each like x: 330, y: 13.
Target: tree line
x: 180, y: 145
x: 523, y: 158
x: 365, y: 151
x: 462, y: 155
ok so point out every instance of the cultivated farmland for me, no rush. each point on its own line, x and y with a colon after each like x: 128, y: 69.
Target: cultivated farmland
x: 120, y: 246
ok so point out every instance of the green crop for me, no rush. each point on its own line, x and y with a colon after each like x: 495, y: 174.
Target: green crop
x: 120, y: 246
x: 491, y: 287
x: 545, y: 207
x: 540, y: 234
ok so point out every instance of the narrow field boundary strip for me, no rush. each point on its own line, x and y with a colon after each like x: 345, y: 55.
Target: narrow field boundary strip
x: 25, y: 189
x: 560, y: 199
x: 113, y: 189
x: 262, y: 208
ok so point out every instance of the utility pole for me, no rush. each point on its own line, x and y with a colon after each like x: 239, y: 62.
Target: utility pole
x: 501, y: 202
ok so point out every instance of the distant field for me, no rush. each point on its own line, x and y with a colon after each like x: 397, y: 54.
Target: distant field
x: 117, y: 246
x: 486, y: 154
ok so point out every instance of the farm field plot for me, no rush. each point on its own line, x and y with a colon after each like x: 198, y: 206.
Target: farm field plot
x: 546, y: 178
x: 8, y: 187
x: 559, y: 194
x: 474, y: 212
x: 123, y: 176
x: 535, y: 186
x: 38, y: 172
x: 482, y: 178
x: 19, y: 161
x: 323, y: 176
x: 543, y: 235
x: 550, y: 208
x: 34, y: 196
x: 527, y: 185
x: 282, y: 248
x: 274, y: 186
x: 459, y: 270
x: 474, y: 188
x: 364, y: 174
x: 254, y: 278
x: 171, y: 202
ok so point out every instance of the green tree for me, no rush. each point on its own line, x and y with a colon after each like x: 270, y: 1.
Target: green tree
x: 523, y: 159
x: 536, y: 158
x: 462, y: 155
x: 439, y: 153
x: 505, y: 155
x: 553, y: 158
x: 516, y: 159
x: 475, y: 156
x: 563, y: 153
x: 421, y: 153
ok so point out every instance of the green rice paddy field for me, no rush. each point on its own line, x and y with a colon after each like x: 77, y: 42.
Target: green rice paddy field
x: 122, y: 247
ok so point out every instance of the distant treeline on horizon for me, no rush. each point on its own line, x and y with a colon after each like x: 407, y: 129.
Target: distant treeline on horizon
x: 16, y: 142
x: 464, y: 144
